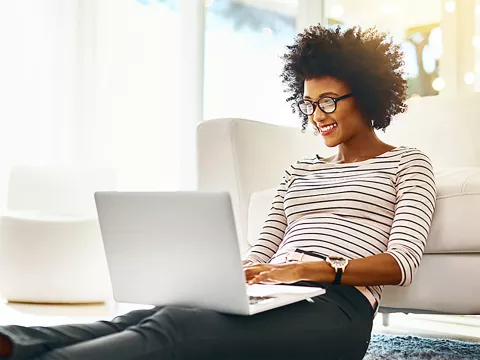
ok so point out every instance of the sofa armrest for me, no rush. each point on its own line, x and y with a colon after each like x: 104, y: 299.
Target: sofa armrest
x: 242, y: 157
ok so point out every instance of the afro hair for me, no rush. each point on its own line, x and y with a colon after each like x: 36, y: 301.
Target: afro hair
x: 368, y: 61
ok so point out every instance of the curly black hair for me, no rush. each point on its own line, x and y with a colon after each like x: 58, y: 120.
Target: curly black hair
x: 368, y: 61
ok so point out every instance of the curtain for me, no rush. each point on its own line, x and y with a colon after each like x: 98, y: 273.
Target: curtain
x: 37, y: 83
x: 95, y: 83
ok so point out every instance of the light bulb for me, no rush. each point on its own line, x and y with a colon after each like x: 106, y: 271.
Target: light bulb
x: 450, y: 6
x: 469, y: 78
x: 336, y: 11
x: 476, y: 41
x: 438, y: 84
x: 387, y: 9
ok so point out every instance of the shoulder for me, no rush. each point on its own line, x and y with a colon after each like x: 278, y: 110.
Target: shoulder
x: 415, y: 166
x: 411, y: 156
x: 410, y: 151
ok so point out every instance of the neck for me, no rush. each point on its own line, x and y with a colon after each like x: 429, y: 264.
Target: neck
x: 361, y: 147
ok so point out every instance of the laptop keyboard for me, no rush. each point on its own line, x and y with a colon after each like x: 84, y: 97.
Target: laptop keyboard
x: 258, y: 299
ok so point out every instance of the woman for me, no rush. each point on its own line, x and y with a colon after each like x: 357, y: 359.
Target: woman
x: 351, y: 223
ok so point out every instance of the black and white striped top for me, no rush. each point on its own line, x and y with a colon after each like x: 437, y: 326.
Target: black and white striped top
x: 381, y: 205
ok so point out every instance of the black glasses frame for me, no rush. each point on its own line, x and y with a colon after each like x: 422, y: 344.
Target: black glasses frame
x: 317, y: 103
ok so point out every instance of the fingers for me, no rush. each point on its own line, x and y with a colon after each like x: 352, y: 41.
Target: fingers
x: 249, y: 275
x: 274, y: 275
x: 255, y: 279
x: 252, y: 271
x: 263, y: 278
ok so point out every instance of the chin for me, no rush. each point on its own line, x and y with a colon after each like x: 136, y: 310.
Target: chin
x: 332, y: 142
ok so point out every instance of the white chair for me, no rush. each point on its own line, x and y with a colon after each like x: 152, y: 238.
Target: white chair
x: 50, y: 243
x: 247, y: 158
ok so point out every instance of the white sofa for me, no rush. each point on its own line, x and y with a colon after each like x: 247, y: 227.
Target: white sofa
x: 247, y: 158
x: 51, y: 248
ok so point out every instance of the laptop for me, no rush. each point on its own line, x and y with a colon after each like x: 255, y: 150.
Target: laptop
x: 181, y: 249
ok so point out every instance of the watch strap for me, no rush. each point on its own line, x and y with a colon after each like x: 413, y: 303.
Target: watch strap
x: 338, y: 277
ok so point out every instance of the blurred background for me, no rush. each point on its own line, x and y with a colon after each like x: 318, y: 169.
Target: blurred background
x: 123, y: 83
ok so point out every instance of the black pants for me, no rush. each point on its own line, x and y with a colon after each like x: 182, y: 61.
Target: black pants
x: 337, y: 325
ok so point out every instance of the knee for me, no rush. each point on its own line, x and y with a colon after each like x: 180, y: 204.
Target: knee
x: 165, y: 326
x: 132, y: 318
x: 168, y: 318
x: 178, y: 323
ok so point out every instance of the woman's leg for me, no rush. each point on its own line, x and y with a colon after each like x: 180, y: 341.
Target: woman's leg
x: 27, y: 342
x: 336, y: 325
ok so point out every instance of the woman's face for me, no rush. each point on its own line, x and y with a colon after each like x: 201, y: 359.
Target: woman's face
x: 346, y: 122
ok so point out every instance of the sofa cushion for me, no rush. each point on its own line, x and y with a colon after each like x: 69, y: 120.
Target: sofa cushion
x: 258, y: 208
x: 455, y: 226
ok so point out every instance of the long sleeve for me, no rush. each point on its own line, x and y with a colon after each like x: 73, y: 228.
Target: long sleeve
x: 274, y: 227
x: 414, y: 208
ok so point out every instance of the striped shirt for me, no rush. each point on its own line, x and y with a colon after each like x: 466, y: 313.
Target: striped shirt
x: 380, y: 205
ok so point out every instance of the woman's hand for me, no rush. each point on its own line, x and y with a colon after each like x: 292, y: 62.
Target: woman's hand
x: 272, y: 274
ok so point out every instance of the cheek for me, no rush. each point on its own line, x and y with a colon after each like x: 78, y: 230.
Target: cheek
x: 349, y: 120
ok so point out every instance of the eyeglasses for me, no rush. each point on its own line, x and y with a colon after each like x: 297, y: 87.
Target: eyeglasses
x: 327, y: 104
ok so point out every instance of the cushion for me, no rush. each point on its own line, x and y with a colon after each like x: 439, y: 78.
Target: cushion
x: 455, y: 226
x: 258, y: 208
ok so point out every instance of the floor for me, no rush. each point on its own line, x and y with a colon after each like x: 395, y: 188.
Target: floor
x: 463, y: 328
x: 466, y: 328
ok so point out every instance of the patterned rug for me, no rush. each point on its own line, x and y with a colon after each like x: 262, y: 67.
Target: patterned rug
x: 412, y: 348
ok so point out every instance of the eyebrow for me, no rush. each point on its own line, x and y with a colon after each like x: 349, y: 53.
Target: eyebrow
x: 322, y: 94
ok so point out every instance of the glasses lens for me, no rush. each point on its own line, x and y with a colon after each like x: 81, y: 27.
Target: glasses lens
x: 327, y: 104
x: 306, y: 107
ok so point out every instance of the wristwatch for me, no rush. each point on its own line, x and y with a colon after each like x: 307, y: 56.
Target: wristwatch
x: 339, y: 263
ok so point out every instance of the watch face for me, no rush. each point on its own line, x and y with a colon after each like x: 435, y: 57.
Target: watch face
x: 338, y: 261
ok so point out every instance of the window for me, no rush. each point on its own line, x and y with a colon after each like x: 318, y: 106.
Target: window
x: 135, y: 122
x: 437, y: 37
x: 37, y: 82
x: 413, y: 24
x: 244, y: 40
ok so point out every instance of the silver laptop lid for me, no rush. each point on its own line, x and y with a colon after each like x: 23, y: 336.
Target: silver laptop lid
x: 172, y: 248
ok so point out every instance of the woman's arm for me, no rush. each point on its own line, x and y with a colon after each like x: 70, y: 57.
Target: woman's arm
x: 380, y: 269
x: 415, y: 204
x: 414, y: 207
x: 273, y: 230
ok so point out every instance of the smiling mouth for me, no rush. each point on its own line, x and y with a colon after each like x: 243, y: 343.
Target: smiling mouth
x: 327, y: 129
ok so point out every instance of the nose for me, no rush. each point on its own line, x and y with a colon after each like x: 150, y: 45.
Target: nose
x: 318, y: 115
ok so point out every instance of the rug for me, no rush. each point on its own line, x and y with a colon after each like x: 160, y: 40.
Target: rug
x: 392, y: 347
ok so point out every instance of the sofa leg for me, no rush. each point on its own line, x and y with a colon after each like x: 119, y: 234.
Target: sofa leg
x: 385, y: 319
